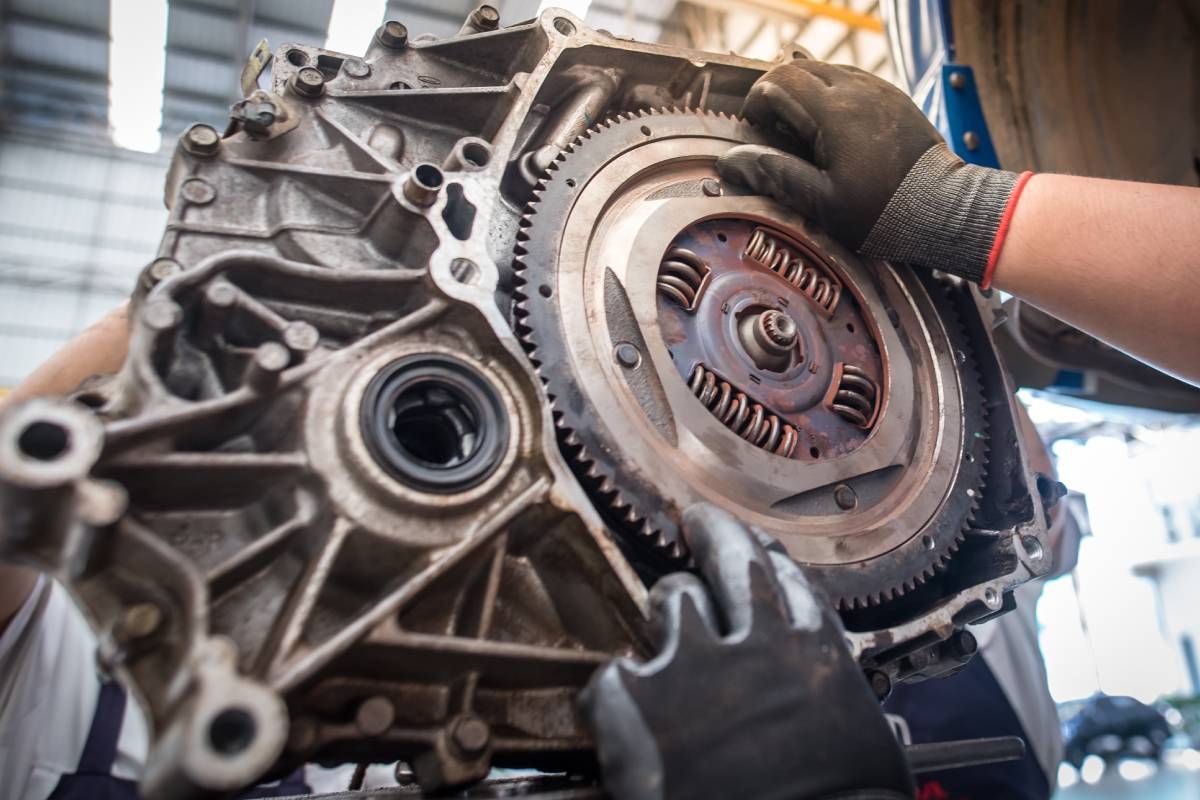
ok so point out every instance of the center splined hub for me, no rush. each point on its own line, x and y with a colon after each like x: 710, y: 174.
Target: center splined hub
x: 769, y: 338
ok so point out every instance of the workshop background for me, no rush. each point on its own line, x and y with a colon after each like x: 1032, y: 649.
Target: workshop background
x: 95, y: 95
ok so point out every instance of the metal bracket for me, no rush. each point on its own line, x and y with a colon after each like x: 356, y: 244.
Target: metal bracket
x: 969, y: 136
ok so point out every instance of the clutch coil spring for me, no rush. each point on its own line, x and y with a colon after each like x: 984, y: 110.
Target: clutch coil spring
x: 741, y: 414
x: 682, y: 277
x: 820, y: 287
x: 855, y: 397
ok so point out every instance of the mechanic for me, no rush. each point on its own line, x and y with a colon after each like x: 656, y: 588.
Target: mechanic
x: 1118, y: 260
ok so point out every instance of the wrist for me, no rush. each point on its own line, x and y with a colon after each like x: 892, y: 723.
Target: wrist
x: 947, y: 215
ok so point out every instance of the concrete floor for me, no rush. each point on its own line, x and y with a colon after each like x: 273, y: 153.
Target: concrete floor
x: 1176, y: 779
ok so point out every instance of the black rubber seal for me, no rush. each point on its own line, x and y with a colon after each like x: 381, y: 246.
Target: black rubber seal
x: 434, y: 423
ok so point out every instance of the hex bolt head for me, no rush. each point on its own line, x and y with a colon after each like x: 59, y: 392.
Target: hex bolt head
x: 711, y: 187
x: 201, y: 140
x: 139, y: 621
x: 845, y: 497
x: 470, y: 735
x: 308, y: 82
x: 627, y: 355
x: 958, y: 80
x: 393, y: 34
x: 485, y: 18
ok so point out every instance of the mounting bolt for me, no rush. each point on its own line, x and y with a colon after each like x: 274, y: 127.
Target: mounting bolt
x: 308, y: 82
x: 483, y: 19
x: 971, y: 140
x: 627, y: 355
x: 374, y: 716
x: 958, y: 80
x: 845, y: 497
x: 711, y: 187
x: 470, y: 735
x: 963, y: 645
x: 139, y: 621
x: 393, y: 34
x: 201, y: 140
x: 158, y: 271
x: 919, y: 660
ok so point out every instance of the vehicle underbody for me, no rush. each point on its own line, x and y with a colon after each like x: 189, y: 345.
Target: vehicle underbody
x: 439, y: 344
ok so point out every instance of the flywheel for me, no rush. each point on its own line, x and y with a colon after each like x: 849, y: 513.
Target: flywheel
x: 699, y: 343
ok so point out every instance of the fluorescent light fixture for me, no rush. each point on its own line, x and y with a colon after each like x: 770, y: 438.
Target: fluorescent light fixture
x: 577, y: 7
x: 352, y: 24
x: 137, y: 58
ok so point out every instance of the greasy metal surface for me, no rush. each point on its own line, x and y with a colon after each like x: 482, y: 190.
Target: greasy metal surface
x: 252, y: 559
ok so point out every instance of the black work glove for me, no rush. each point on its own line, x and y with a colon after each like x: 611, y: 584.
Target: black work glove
x: 753, y: 695
x: 870, y: 170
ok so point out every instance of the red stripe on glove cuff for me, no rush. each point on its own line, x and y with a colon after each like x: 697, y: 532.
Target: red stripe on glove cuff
x: 1002, y: 230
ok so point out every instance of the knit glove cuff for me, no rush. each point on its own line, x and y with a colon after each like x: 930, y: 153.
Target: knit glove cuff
x: 946, y: 215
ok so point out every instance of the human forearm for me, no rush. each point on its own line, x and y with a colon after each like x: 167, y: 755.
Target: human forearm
x: 98, y: 350
x: 1116, y: 259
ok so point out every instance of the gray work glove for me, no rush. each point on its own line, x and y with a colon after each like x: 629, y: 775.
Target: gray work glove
x: 870, y: 170
x: 753, y: 694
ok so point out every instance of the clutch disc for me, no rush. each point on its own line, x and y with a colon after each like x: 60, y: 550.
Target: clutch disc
x: 701, y: 344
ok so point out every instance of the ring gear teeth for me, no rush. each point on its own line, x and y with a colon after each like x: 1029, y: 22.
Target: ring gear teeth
x: 858, y: 589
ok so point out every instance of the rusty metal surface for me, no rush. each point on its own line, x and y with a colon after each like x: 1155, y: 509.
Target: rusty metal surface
x: 740, y: 286
x: 323, y: 512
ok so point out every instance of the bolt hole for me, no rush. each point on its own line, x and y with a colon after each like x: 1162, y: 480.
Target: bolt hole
x: 1033, y: 547
x: 231, y: 731
x: 563, y: 26
x: 571, y: 182
x: 464, y: 270
x: 850, y: 327
x: 970, y: 458
x: 814, y: 452
x: 545, y: 291
x: 44, y: 441
x: 722, y: 237
x: 399, y: 85
x: 927, y: 542
x: 646, y: 130
x: 297, y: 58
x: 90, y: 400
x: 429, y: 176
x: 476, y: 154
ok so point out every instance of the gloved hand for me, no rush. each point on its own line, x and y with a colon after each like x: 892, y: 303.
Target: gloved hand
x: 870, y: 170
x: 753, y: 694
